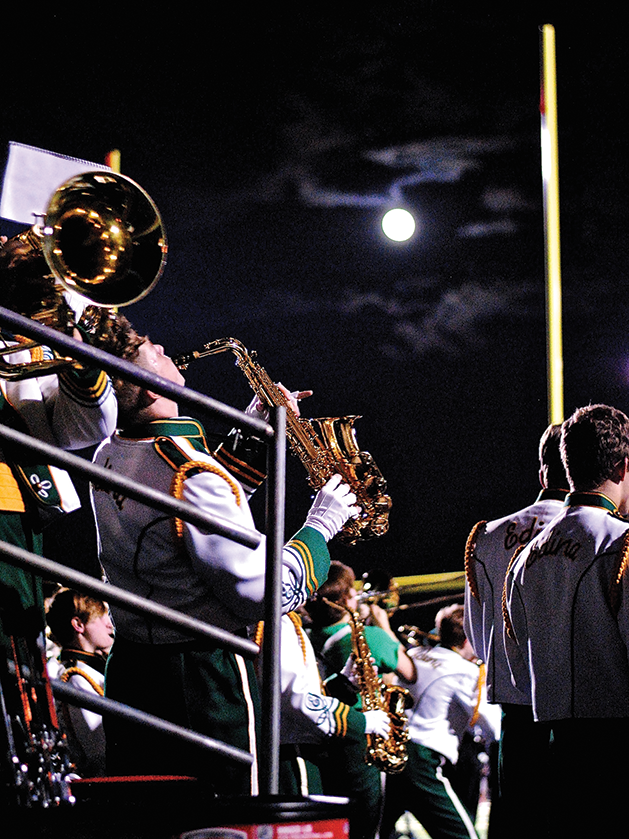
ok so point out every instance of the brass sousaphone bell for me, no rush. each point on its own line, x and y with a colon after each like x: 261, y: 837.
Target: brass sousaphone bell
x: 102, y: 238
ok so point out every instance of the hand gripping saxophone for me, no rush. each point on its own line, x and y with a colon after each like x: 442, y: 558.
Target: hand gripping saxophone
x: 325, y: 446
x: 390, y: 754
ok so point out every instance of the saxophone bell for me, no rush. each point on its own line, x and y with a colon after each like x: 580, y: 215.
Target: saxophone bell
x: 325, y: 446
x: 388, y: 754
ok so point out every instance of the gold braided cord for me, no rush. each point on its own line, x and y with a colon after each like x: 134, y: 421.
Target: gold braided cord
x: 180, y: 476
x: 76, y: 671
x: 482, y: 677
x: 470, y: 545
x: 505, y: 613
x: 296, y: 621
x: 37, y: 353
x: 258, y: 635
x: 623, y: 564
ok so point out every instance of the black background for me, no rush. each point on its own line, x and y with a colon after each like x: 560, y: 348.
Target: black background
x: 272, y: 143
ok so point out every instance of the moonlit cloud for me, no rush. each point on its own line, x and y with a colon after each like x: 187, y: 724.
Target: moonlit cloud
x: 418, y: 318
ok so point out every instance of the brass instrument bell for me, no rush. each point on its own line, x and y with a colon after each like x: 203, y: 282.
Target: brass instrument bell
x: 101, y: 238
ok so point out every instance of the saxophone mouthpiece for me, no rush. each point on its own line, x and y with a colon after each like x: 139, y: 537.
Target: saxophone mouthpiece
x: 182, y: 362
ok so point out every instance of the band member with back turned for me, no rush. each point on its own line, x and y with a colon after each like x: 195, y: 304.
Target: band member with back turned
x: 523, y: 747
x: 449, y: 700
x: 567, y: 627
x: 156, y: 668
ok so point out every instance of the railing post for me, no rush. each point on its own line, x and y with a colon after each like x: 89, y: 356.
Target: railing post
x: 271, y: 676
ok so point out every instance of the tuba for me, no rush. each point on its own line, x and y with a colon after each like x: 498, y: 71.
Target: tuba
x: 101, y: 238
x: 389, y: 755
x: 325, y: 446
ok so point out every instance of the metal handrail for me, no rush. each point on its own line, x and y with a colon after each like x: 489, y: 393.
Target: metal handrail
x: 127, y: 370
x: 51, y: 570
x: 269, y: 763
x: 114, y: 480
x: 102, y: 705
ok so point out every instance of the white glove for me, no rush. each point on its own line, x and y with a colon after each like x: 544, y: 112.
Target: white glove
x: 377, y: 722
x: 257, y: 409
x: 349, y: 671
x: 332, y: 506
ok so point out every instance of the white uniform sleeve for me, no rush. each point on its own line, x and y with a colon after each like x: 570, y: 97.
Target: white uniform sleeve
x: 235, y: 573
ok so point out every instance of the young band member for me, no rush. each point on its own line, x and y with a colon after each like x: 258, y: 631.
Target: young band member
x: 160, y: 669
x: 82, y: 628
x: 346, y: 772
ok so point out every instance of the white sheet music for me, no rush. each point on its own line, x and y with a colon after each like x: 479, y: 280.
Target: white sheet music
x: 30, y: 178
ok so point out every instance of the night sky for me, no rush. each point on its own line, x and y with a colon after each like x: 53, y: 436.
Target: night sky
x: 272, y: 144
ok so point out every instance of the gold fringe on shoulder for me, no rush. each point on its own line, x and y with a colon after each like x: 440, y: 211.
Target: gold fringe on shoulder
x: 76, y: 671
x: 623, y: 564
x: 505, y: 612
x: 179, y: 478
x: 470, y: 545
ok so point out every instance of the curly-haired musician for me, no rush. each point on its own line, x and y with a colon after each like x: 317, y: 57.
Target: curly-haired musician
x: 157, y: 668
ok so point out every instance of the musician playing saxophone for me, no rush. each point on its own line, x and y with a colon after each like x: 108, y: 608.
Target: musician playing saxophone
x: 449, y: 699
x: 347, y: 773
x: 204, y: 575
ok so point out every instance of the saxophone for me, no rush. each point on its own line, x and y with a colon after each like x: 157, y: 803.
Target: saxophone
x: 389, y: 754
x: 325, y: 446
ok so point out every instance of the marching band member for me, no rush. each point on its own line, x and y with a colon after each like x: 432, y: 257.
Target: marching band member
x: 346, y: 772
x: 448, y: 700
x: 523, y: 745
x: 82, y: 628
x: 567, y: 626
x: 308, y: 717
x: 205, y: 575
x: 71, y: 409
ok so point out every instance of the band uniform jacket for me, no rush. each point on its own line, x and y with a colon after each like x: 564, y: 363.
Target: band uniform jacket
x: 567, y: 613
x: 72, y: 410
x: 307, y: 715
x: 448, y: 698
x: 489, y: 550
x: 202, y: 574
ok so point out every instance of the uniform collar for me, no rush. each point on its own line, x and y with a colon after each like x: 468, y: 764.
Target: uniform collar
x: 590, y: 499
x: 175, y: 427
x: 71, y: 656
x: 552, y: 495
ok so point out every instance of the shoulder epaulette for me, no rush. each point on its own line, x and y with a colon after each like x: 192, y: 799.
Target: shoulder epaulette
x: 470, y: 546
x: 185, y: 467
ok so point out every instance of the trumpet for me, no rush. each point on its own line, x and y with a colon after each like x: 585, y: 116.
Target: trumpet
x: 101, y: 238
x: 380, y: 587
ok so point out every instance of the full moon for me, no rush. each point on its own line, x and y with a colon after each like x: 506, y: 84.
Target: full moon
x: 398, y: 225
